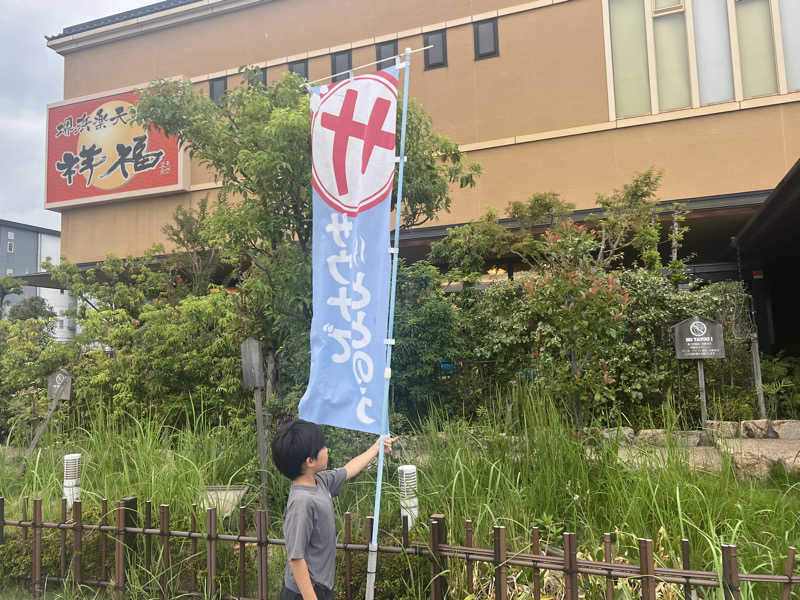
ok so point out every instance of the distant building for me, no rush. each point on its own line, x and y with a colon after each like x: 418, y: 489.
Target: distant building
x: 23, y: 249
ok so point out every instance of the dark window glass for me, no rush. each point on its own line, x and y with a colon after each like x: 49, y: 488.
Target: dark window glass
x: 300, y: 67
x: 341, y: 62
x: 217, y: 88
x: 260, y: 77
x: 385, y: 52
x: 437, y: 56
x: 486, y: 39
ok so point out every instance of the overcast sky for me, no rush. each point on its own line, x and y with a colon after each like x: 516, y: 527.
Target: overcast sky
x: 32, y: 76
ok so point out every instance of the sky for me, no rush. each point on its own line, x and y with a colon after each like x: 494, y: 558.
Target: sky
x: 33, y: 76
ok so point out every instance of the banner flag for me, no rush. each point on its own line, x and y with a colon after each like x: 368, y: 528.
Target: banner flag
x: 353, y: 125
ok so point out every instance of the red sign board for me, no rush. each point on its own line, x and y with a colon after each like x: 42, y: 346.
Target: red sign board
x: 95, y: 152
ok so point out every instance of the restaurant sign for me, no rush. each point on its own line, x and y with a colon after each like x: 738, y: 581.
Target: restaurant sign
x: 699, y: 338
x: 96, y: 153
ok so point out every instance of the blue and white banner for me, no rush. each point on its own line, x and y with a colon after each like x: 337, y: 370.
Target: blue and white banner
x: 353, y: 163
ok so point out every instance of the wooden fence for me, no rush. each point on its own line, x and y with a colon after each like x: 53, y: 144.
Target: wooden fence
x: 123, y: 537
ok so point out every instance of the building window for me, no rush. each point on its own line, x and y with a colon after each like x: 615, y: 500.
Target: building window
x: 217, y: 88
x: 299, y: 67
x: 61, y: 323
x: 260, y: 77
x: 341, y: 64
x: 437, y: 56
x: 486, y: 45
x: 385, y: 53
x: 713, y: 44
x: 756, y: 48
x: 666, y: 5
x: 11, y: 235
x: 672, y: 61
x: 672, y: 54
x: 629, y: 57
x: 10, y: 248
x: 790, y: 21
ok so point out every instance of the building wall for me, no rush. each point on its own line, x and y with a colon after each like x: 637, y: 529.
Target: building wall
x: 18, y: 252
x: 32, y: 245
x: 538, y: 117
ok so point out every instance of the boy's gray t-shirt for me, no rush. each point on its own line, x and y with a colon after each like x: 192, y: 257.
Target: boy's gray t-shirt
x: 309, y: 527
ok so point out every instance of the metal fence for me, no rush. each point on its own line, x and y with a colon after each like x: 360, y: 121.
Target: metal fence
x: 129, y: 544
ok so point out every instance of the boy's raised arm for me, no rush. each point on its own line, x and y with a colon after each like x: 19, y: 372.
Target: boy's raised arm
x: 356, y: 465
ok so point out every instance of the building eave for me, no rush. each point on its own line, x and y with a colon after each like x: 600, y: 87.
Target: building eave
x: 139, y: 25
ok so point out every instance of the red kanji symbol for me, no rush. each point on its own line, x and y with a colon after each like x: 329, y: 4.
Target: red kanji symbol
x: 345, y: 127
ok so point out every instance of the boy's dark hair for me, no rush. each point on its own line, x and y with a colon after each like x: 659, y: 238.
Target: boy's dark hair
x: 295, y: 442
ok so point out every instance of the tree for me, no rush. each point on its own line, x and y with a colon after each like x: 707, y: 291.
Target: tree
x: 257, y: 144
x: 35, y: 307
x: 8, y: 286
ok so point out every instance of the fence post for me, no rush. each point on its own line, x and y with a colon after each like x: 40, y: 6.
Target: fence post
x: 242, y: 532
x: 646, y: 569
x: 24, y: 518
x: 103, y: 549
x: 193, y: 550
x: 730, y: 573
x: 62, y: 562
x: 77, y: 547
x: 148, y: 542
x: 263, y: 554
x: 438, y: 535
x: 608, y: 557
x: 470, y: 573
x: 348, y: 559
x: 211, y: 552
x: 787, y: 587
x: 119, y: 550
x: 131, y: 505
x: 686, y: 562
x: 2, y: 520
x: 570, y: 567
x: 37, y: 548
x: 163, y: 527
x: 500, y: 569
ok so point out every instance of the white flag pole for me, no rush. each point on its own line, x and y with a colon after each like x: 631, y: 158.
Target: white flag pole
x: 372, y: 559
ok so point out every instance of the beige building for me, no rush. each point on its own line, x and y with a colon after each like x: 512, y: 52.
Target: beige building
x: 572, y: 96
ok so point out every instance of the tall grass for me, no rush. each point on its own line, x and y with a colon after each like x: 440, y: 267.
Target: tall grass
x: 531, y: 470
x: 519, y: 465
x: 125, y: 456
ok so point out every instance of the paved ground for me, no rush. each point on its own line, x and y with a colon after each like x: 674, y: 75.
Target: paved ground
x: 752, y: 458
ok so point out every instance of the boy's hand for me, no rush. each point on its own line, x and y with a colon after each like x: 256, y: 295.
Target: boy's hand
x: 387, y: 444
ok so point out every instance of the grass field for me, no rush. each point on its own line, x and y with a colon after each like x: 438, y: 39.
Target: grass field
x: 519, y: 465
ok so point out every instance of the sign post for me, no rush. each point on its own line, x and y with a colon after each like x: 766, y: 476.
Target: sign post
x: 253, y: 378
x: 59, y: 388
x: 698, y: 338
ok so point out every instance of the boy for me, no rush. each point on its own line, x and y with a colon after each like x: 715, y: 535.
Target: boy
x: 309, y: 527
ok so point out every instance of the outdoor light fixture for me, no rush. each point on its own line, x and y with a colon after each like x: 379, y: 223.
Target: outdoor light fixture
x: 409, y: 504
x: 72, y: 478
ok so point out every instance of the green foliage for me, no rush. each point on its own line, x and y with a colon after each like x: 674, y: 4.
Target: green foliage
x: 256, y: 143
x: 155, y: 363
x: 115, y: 284
x: 34, y: 307
x: 428, y: 336
x: 465, y: 250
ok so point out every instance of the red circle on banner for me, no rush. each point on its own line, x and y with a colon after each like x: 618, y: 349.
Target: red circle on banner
x: 342, y: 129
